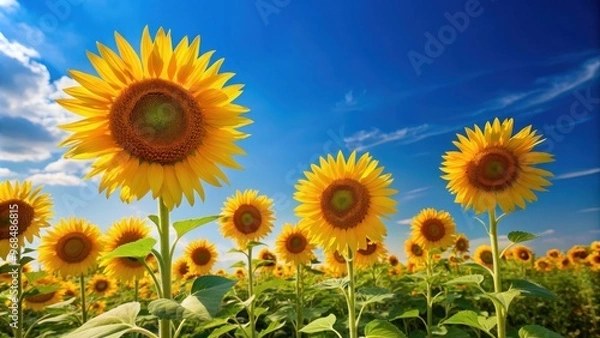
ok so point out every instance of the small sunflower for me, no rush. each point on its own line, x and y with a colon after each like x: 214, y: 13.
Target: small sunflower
x: 221, y: 273
x: 70, y: 289
x: 414, y: 266
x: 342, y: 202
x: 433, y: 229
x: 181, y: 268
x: 240, y: 273
x: 454, y: 260
x: 594, y: 261
x: 122, y: 232
x: 279, y: 271
x: 101, y: 285
x: 24, y: 210
x: 335, y: 263
x: 578, y: 254
x: 484, y: 256
x: 98, y: 307
x: 162, y: 121
x: 39, y: 302
x: 466, y: 257
x: 461, y: 244
x: 247, y: 217
x: 564, y: 263
x: 294, y: 246
x: 374, y: 253
x: 395, y: 271
x: 268, y: 260
x: 543, y: 264
x: 493, y: 167
x: 522, y: 254
x: 414, y: 251
x: 201, y: 256
x: 553, y: 254
x: 71, y: 248
x: 393, y: 260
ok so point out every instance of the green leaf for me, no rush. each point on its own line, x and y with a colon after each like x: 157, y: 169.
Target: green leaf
x: 111, y: 324
x: 472, y: 319
x: 238, y: 264
x: 253, y: 244
x: 375, y: 295
x: 154, y: 220
x: 6, y: 268
x: 531, y: 289
x: 520, y: 236
x: 468, y: 279
x: 271, y: 284
x: 507, y: 297
x: 536, y: 331
x: 41, y: 290
x: 138, y: 249
x: 168, y: 309
x: 62, y: 304
x: 413, y: 313
x: 273, y: 326
x: 183, y: 227
x: 35, y: 276
x: 210, y: 290
x: 26, y: 259
x: 222, y: 330
x: 65, y: 318
x: 234, y: 250
x: 382, y: 329
x: 320, y: 325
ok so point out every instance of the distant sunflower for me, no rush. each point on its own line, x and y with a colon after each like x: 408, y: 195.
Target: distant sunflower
x: 433, y: 229
x: 98, y: 307
x: 393, y: 260
x: 553, y: 254
x: 454, y: 260
x: 484, y: 256
x: 247, y: 217
x: 374, y: 253
x: 24, y: 210
x: 578, y: 254
x: 240, y: 273
x: 543, y: 264
x: 595, y: 246
x: 294, y: 246
x: 268, y: 260
x: 70, y: 289
x: 508, y: 254
x: 181, y: 268
x: 466, y: 257
x: 122, y: 232
x: 101, y: 285
x: 493, y: 167
x: 279, y: 271
x: 221, y: 273
x: 335, y: 264
x: 564, y: 263
x: 39, y: 302
x: 461, y: 244
x: 71, y: 248
x: 158, y: 122
x: 395, y: 271
x: 201, y: 255
x: 414, y: 251
x: 342, y: 202
x: 522, y: 253
x: 594, y: 261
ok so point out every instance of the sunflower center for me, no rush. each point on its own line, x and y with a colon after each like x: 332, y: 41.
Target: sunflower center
x: 394, y: 261
x: 524, y: 255
x: 101, y: 286
x: 183, y: 269
x: 461, y: 245
x: 554, y: 254
x: 416, y: 250
x: 580, y: 254
x: 201, y: 256
x: 74, y: 247
x: 494, y: 169
x: 543, y: 265
x: 339, y: 258
x: 296, y: 244
x: 247, y: 219
x: 433, y: 230
x: 19, y: 217
x: 157, y: 121
x: 345, y: 203
x: 371, y: 248
x: 41, y: 298
x: 487, y: 257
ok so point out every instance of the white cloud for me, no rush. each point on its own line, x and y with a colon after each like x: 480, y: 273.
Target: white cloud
x: 60, y: 179
x: 9, y: 5
x: 413, y: 194
x: 349, y: 103
x: 575, y: 174
x: 365, y: 139
x: 405, y: 221
x: 6, y: 173
x: 589, y: 210
x: 67, y: 166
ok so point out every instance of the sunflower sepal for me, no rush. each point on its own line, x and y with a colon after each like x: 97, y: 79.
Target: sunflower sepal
x: 139, y: 249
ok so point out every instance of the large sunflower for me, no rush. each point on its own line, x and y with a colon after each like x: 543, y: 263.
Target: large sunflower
x: 161, y: 121
x: 201, y: 256
x: 23, y: 211
x: 343, y: 200
x: 414, y: 252
x: 294, y: 246
x: 71, y: 248
x: 39, y: 302
x: 494, y: 167
x: 433, y: 229
x: 484, y: 256
x: 374, y: 253
x: 122, y: 232
x: 461, y: 244
x: 247, y: 217
x: 101, y: 285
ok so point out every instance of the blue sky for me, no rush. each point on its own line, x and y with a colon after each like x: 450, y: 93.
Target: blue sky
x: 324, y: 76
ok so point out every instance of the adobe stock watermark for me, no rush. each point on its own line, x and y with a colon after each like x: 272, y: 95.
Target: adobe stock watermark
x: 13, y: 261
x: 435, y: 45
x: 266, y: 8
x: 58, y: 11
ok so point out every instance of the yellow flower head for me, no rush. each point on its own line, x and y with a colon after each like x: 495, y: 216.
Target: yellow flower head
x: 461, y: 244
x: 40, y: 301
x: 122, y: 232
x: 181, y: 268
x: 268, y: 258
x: 484, y: 256
x: 335, y: 263
x: 578, y: 254
x: 202, y: 256
x: 553, y: 254
x: 433, y: 229
x: 294, y: 246
x: 101, y: 285
x: 414, y: 251
x: 247, y: 217
x: 522, y: 254
x: 393, y: 260
x: 543, y: 264
x: 373, y: 254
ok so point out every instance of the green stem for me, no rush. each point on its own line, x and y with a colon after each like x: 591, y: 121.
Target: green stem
x: 165, y: 324
x: 352, y: 325
x: 298, y: 300
x: 250, y: 294
x: 429, y: 300
x: 83, y: 306
x: 19, y: 331
x: 135, y: 290
x: 500, y: 312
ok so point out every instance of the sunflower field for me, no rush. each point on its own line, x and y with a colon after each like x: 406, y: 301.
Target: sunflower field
x: 162, y: 121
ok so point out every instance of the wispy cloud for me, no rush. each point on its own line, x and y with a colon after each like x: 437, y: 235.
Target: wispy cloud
x: 349, y: 103
x: 413, y: 194
x: 575, y: 174
x: 6, y: 173
x: 9, y: 5
x: 60, y: 179
x: 365, y: 139
x: 61, y: 172
x: 405, y: 221
x: 589, y: 210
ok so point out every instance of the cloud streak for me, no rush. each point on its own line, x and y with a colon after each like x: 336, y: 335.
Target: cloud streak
x: 576, y: 174
x: 365, y: 139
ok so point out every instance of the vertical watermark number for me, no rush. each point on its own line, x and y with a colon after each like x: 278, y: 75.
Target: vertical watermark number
x: 13, y: 260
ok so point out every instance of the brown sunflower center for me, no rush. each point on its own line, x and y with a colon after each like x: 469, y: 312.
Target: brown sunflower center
x: 553, y: 254
x: 201, y: 256
x: 296, y: 243
x: 247, y: 219
x: 157, y: 121
x: 494, y: 169
x: 542, y: 264
x: 371, y: 248
x: 74, y: 247
x: 393, y: 261
x: 524, y: 255
x: 39, y: 299
x: 416, y: 250
x: 433, y: 230
x: 565, y: 262
x: 16, y: 214
x: 596, y: 259
x: 487, y: 257
x: 461, y: 245
x: 580, y: 254
x: 183, y: 269
x: 101, y: 286
x: 339, y: 258
x: 345, y: 203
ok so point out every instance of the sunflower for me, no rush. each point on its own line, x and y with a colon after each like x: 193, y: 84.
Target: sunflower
x: 294, y: 246
x: 466, y: 257
x: 454, y: 260
x: 578, y: 254
x: 181, y: 268
x: 543, y: 264
x: 70, y: 289
x: 40, y: 301
x: 247, y: 217
x: 7, y: 277
x: 484, y: 256
x: 564, y: 263
x: 98, y: 307
x: 101, y: 285
x: 221, y: 273
x: 594, y: 260
x: 395, y: 271
x: 595, y: 246
x: 24, y: 210
x: 161, y: 121
x: 279, y: 271
x: 522, y: 254
x: 461, y: 244
x: 374, y: 253
x: 335, y: 264
x: 122, y: 232
x: 553, y: 254
x: 240, y: 273
x: 433, y: 229
x: 414, y: 251
x: 393, y: 260
x: 201, y: 256
x: 342, y: 202
x: 71, y: 248
x: 495, y: 168
x: 507, y: 254
x: 268, y: 260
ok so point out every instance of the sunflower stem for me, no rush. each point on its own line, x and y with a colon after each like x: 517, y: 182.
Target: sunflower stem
x: 83, y: 306
x: 298, y: 300
x: 352, y: 325
x: 165, y: 324
x: 500, y: 312
x: 429, y: 299
x: 135, y: 289
x: 251, y: 317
